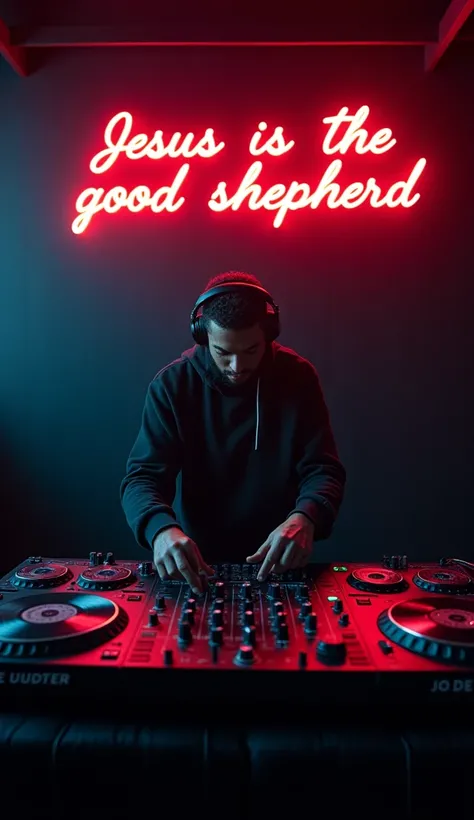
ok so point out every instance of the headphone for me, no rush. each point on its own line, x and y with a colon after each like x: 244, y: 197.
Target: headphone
x: 271, y: 323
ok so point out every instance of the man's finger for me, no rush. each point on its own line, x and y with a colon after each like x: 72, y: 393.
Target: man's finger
x: 188, y: 573
x: 287, y: 561
x: 259, y: 555
x: 161, y: 571
x: 272, y: 558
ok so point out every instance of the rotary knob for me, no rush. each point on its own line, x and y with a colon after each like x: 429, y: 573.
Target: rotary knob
x: 337, y: 606
x: 191, y: 604
x: 249, y: 618
x: 100, y: 557
x: 249, y: 635
x: 282, y: 632
x: 188, y: 615
x: 145, y: 568
x: 274, y: 592
x: 216, y: 636
x: 246, y: 591
x: 218, y: 589
x: 310, y: 623
x: 160, y: 603
x: 109, y: 558
x: 245, y: 656
x: 306, y: 608
x: 331, y: 651
x: 218, y: 603
x: 302, y: 592
x: 92, y: 559
x: 184, y: 633
x: 344, y: 619
x: 153, y: 618
x: 217, y: 618
x: 277, y: 607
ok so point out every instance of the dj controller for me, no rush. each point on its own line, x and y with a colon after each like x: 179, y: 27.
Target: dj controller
x: 336, y: 689
x: 394, y: 632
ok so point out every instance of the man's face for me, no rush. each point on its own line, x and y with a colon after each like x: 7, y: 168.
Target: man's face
x: 236, y: 353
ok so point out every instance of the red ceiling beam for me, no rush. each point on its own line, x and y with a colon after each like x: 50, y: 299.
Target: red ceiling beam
x: 15, y: 55
x: 453, y: 19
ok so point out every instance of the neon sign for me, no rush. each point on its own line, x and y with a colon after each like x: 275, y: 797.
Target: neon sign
x: 345, y: 132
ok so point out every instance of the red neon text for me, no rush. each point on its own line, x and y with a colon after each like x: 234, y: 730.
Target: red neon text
x: 296, y: 195
x: 378, y: 144
x: 345, y: 130
x: 274, y: 145
x: 141, y: 146
x: 93, y: 200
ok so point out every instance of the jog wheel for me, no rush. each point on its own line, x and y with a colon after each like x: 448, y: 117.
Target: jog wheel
x: 374, y: 579
x: 438, y: 628
x: 106, y: 577
x: 52, y: 624
x: 41, y: 576
x: 444, y: 580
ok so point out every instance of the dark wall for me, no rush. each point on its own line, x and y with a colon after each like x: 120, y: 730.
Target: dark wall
x: 380, y: 300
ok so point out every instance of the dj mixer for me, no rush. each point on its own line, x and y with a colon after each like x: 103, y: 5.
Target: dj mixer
x: 393, y: 631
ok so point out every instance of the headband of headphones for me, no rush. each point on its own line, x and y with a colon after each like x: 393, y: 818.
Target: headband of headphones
x: 272, y: 319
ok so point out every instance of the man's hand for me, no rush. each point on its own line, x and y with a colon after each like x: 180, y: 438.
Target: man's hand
x: 177, y: 556
x: 289, y: 546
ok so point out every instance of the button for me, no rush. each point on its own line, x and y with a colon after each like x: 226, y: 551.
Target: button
x: 134, y: 597
x: 244, y: 656
x: 337, y: 606
x: 386, y: 647
x: 168, y: 657
x: 340, y: 569
x: 363, y: 602
x: 110, y: 654
x: 344, y: 619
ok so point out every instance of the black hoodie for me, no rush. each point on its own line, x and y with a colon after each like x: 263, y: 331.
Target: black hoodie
x: 240, y: 459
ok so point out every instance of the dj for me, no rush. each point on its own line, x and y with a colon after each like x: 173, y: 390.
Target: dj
x: 235, y: 448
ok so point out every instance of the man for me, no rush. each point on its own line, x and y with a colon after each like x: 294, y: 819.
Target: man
x: 235, y: 447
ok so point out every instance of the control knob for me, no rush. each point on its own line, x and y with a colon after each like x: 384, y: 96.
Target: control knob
x: 282, y: 633
x: 153, y: 618
x: 249, y: 635
x: 244, y: 656
x: 337, y: 606
x: 184, y: 633
x: 249, y: 618
x: 217, y: 636
x: 310, y: 623
x: 109, y: 558
x: 217, y: 618
x: 160, y: 603
x: 306, y: 608
x: 331, y: 650
x: 274, y: 592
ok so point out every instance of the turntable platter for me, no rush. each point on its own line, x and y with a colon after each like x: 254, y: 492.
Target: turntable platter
x: 57, y: 624
x: 377, y: 579
x: 444, y: 580
x: 41, y: 575
x: 439, y: 627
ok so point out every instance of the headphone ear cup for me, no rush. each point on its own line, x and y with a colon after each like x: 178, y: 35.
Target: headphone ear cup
x: 199, y: 332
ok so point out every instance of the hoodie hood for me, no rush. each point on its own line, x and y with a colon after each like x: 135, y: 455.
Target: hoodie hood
x: 202, y: 361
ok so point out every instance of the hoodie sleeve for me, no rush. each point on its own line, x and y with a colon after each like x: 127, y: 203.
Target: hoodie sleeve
x: 321, y: 475
x: 149, y: 486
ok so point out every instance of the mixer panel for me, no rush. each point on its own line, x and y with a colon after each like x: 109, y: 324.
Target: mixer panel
x: 396, y: 625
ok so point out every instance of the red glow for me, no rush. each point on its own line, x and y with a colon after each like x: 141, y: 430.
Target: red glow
x: 345, y: 131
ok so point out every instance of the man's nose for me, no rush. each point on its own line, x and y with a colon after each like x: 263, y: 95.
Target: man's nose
x: 235, y: 364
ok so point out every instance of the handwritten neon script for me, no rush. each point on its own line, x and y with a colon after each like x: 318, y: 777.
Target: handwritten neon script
x: 345, y: 132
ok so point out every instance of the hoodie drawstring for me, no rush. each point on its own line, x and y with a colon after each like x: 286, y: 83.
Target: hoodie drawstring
x: 257, y: 425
